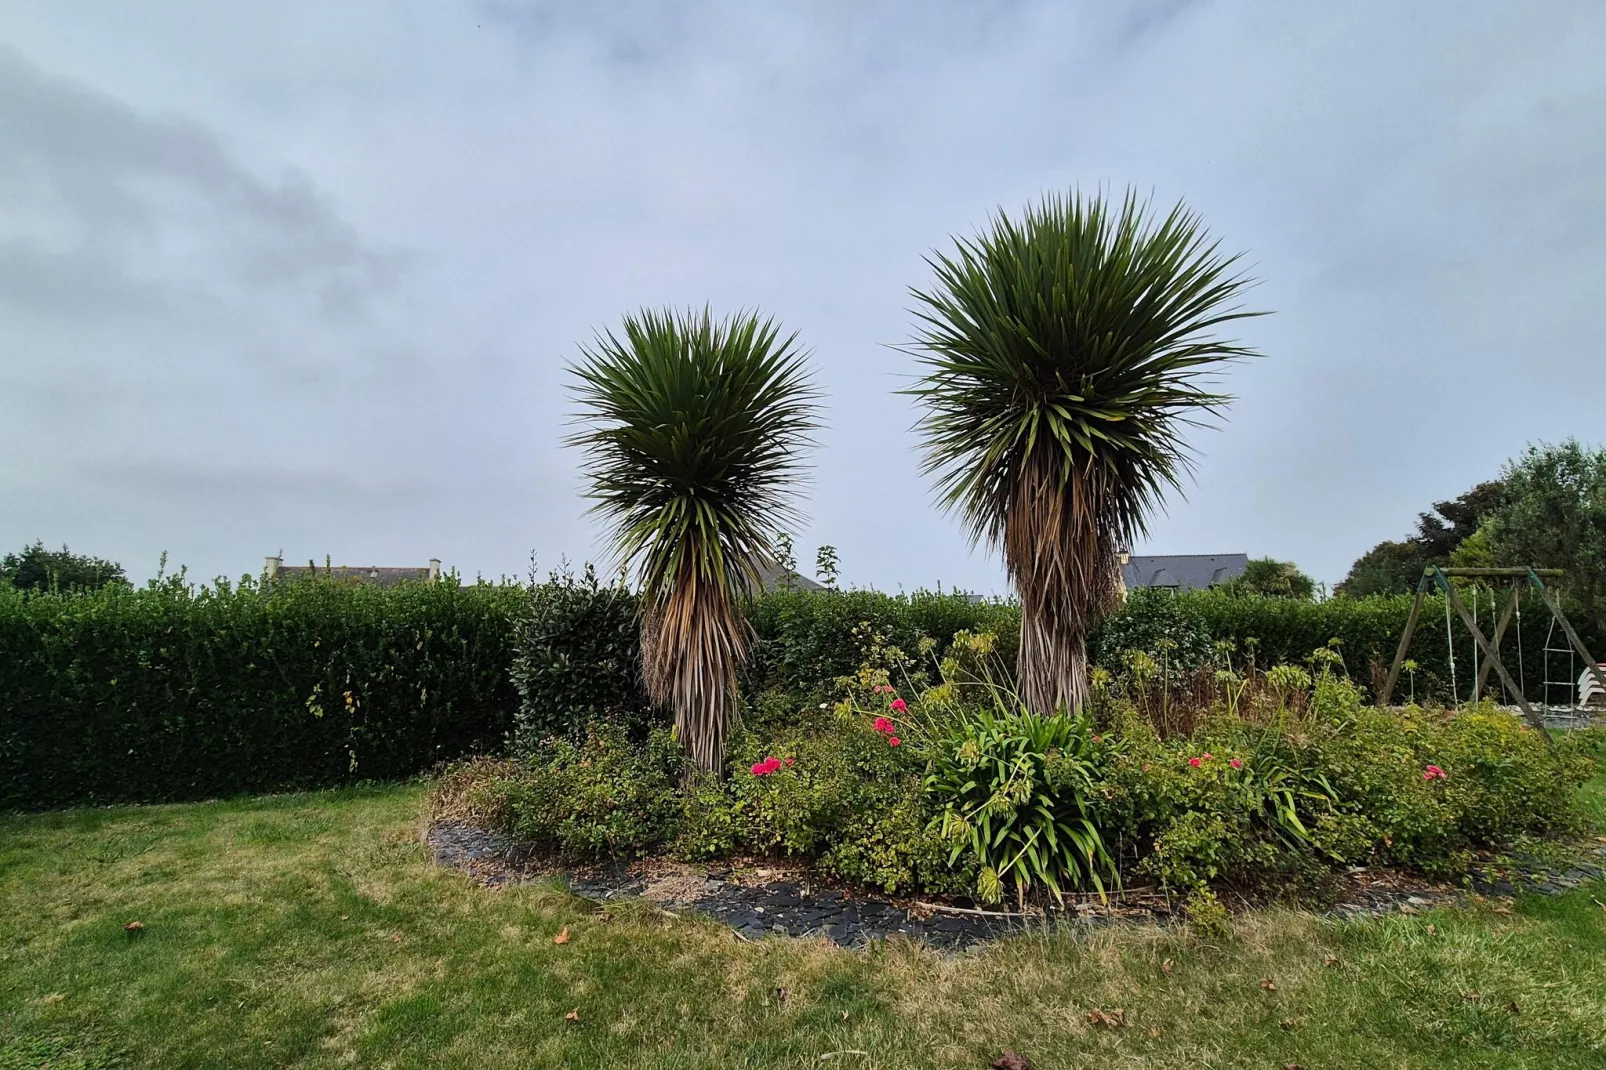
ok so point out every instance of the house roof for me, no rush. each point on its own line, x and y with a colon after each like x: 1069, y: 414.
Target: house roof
x: 771, y: 576
x: 1183, y: 572
x: 371, y: 575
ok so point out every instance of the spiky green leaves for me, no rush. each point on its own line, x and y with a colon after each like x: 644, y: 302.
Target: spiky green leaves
x: 1081, y: 330
x: 693, y: 438
x: 1062, y: 360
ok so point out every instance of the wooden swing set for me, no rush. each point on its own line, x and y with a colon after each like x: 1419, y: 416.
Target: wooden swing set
x: 1521, y: 579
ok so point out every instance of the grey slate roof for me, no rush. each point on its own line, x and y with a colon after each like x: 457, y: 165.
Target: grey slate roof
x: 1183, y: 572
x: 770, y: 577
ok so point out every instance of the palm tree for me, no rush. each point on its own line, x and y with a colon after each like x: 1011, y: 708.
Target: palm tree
x: 693, y: 437
x: 1061, y: 360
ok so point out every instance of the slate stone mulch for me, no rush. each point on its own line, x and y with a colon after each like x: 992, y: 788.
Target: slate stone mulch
x: 763, y: 900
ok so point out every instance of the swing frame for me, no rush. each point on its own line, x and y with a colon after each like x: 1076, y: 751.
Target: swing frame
x: 1435, y: 576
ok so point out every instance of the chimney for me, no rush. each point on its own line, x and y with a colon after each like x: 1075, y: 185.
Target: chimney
x: 271, y: 565
x: 434, y: 569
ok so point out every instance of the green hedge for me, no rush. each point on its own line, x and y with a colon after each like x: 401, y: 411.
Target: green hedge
x: 173, y: 693
x: 1368, y: 629
x: 807, y: 639
x: 170, y: 692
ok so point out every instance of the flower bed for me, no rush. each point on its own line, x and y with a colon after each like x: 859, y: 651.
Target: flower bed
x: 948, y: 788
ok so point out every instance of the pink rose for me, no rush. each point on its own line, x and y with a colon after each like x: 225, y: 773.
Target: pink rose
x: 899, y: 705
x: 1207, y: 756
x: 1195, y: 762
x: 883, y: 725
x: 893, y: 741
x: 1236, y: 763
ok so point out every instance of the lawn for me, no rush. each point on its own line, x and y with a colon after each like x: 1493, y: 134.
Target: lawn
x: 309, y: 930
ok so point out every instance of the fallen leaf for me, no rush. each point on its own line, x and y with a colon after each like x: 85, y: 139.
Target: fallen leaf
x: 1108, y: 1019
x: 396, y: 939
x: 1293, y: 1066
x: 1268, y: 985
x: 1472, y: 997
x: 1011, y: 1060
x: 562, y: 937
x: 134, y: 927
x: 54, y: 997
x: 780, y: 995
x: 1288, y: 1023
x: 1329, y: 960
x: 1513, y: 1008
x: 1502, y: 910
x: 1165, y: 967
x: 572, y: 1016
x: 1433, y: 930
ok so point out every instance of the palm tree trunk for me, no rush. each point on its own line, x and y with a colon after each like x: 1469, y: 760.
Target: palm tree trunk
x: 692, y: 646
x: 1053, y: 659
x: 1062, y: 558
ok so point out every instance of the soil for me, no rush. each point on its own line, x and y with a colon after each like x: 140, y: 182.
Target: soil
x: 763, y: 898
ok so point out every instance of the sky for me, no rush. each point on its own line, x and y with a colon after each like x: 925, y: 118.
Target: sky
x: 305, y: 277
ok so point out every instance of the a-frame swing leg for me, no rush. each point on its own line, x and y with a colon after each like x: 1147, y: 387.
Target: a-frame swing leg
x: 1405, y: 644
x: 1499, y: 633
x: 1483, y: 644
x: 1554, y: 604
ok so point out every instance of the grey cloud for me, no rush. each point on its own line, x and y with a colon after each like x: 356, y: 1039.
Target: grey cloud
x: 197, y: 280
x: 129, y: 205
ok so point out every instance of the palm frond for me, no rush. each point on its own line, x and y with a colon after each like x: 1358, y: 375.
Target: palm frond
x: 693, y: 431
x: 1063, y: 358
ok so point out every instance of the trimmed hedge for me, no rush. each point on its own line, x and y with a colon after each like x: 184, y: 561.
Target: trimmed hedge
x: 1368, y: 630
x: 807, y: 639
x: 170, y: 693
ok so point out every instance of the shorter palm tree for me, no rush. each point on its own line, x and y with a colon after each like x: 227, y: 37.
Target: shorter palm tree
x: 693, y: 438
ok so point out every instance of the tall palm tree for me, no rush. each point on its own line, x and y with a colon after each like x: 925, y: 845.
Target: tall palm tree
x: 694, y: 430
x: 1061, y: 358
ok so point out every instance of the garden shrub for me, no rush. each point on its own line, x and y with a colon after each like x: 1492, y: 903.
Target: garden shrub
x: 1169, y: 629
x: 576, y: 659
x: 835, y: 789
x: 601, y: 798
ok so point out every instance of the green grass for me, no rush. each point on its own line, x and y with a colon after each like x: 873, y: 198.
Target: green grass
x: 309, y: 931
x: 1593, y: 793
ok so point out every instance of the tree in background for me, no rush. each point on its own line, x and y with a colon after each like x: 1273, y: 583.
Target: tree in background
x: 1554, y: 516
x: 694, y: 431
x: 1062, y: 356
x: 1273, y: 578
x: 1387, y: 568
x: 1395, y: 567
x: 39, y: 569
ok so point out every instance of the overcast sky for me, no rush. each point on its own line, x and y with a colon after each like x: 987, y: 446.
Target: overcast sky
x: 305, y: 276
